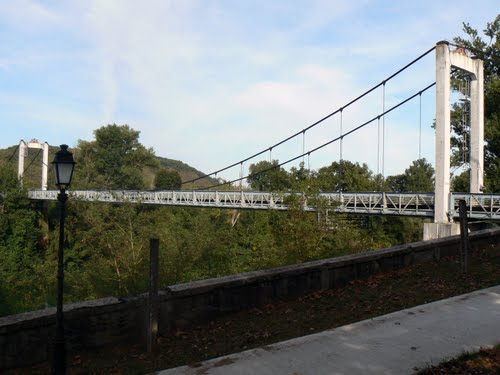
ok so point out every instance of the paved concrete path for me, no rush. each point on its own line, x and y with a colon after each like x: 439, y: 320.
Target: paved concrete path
x: 396, y: 343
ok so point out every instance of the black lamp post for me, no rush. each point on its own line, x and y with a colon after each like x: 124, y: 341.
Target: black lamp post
x: 63, y: 167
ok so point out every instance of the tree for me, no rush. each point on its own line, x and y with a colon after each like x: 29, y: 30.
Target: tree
x: 418, y: 177
x: 19, y: 230
x: 21, y: 245
x: 167, y: 180
x: 268, y: 176
x: 346, y: 176
x: 301, y: 179
x: 396, y: 183
x: 114, y: 160
x: 461, y: 182
x: 460, y: 126
x: 8, y: 178
x: 489, y: 52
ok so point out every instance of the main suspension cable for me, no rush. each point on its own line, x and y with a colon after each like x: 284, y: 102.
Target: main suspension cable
x: 11, y: 156
x: 317, y: 122
x: 329, y: 142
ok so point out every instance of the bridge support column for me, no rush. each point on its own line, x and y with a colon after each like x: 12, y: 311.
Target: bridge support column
x: 440, y: 230
x: 23, y: 146
x: 45, y: 166
x: 442, y: 189
x: 20, y: 165
x: 477, y: 128
x: 445, y: 59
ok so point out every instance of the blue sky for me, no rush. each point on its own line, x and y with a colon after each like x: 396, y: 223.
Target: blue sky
x: 211, y: 82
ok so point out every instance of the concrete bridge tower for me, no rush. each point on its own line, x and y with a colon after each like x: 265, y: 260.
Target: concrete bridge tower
x: 445, y: 59
x: 23, y: 146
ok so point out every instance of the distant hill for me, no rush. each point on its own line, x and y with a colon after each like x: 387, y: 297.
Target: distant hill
x: 33, y: 168
x: 185, y: 170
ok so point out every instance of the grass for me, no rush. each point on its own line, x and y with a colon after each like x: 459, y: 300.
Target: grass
x: 358, y: 300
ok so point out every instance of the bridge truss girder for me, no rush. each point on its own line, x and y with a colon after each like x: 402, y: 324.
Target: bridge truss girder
x: 373, y: 203
x: 479, y: 206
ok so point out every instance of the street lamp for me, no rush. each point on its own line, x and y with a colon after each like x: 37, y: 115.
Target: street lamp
x: 63, y: 167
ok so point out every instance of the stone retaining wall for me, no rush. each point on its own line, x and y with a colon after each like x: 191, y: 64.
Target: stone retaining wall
x: 25, y: 338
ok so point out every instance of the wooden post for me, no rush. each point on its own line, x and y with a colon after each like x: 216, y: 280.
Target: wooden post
x: 152, y: 328
x: 464, y: 235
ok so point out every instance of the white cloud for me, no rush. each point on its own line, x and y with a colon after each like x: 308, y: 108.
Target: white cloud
x: 27, y: 14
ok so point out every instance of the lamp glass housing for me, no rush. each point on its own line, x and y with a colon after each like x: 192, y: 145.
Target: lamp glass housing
x: 63, y: 167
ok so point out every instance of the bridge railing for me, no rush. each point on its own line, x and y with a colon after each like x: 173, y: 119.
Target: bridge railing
x: 375, y: 203
x: 479, y: 206
x: 381, y: 203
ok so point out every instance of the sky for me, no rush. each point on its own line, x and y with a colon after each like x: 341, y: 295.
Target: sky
x: 212, y: 82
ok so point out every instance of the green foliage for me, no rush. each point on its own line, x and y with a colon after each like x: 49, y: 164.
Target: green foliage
x: 111, y: 248
x: 167, y: 180
x: 114, y: 160
x: 488, y: 51
x: 345, y: 176
x: 301, y: 179
x: 268, y: 176
x: 107, y: 250
x: 20, y: 245
x: 486, y: 48
x: 418, y: 177
x: 8, y: 177
x: 460, y: 125
x: 461, y: 183
x: 397, y: 230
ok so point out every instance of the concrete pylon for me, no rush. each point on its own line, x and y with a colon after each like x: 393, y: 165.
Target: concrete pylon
x: 20, y: 163
x: 445, y: 59
x: 442, y: 182
x: 23, y: 146
x: 477, y: 129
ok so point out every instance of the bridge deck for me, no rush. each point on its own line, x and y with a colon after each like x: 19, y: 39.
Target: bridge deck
x: 480, y: 206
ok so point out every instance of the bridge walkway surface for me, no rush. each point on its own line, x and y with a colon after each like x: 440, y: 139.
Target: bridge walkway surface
x: 395, y: 343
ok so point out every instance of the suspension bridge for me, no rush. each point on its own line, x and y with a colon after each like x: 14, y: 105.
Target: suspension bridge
x: 480, y: 206
x: 441, y: 205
